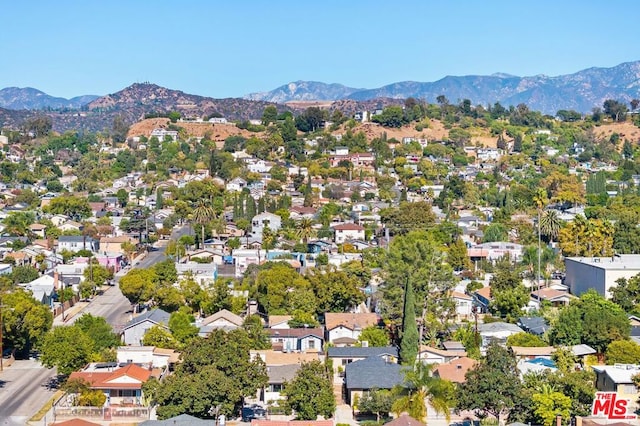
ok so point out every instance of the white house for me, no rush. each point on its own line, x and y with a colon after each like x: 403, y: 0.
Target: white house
x: 431, y: 355
x: 161, y: 134
x: 296, y: 339
x: 348, y: 231
x: 146, y: 355
x: 74, y: 243
x: 266, y: 219
x: 347, y: 326
x: 236, y: 185
x: 464, y: 304
x: 496, y: 331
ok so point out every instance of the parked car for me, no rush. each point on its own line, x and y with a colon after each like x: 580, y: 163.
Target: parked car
x: 250, y: 412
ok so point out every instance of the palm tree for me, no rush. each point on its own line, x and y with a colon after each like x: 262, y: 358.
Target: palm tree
x: 304, y: 229
x: 550, y: 224
x: 202, y: 215
x: 540, y: 200
x: 420, y: 388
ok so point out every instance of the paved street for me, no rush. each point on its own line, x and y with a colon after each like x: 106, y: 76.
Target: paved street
x: 24, y: 388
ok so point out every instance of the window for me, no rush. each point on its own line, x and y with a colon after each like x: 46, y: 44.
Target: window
x: 312, y: 344
x: 275, y: 387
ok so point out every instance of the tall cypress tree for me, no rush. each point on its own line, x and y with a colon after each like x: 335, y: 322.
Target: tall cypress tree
x: 409, y: 342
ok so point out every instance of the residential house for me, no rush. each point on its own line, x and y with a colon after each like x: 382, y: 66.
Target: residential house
x: 70, y: 225
x: 278, y: 322
x: 148, y: 356
x: 347, y: 325
x: 277, y: 375
x: 556, y: 298
x: 213, y: 256
x: 122, y: 386
x: 296, y: 339
x: 496, y: 331
x: 370, y: 373
x: 43, y: 289
x: 202, y: 273
x: 482, y: 298
x: 348, y: 231
x: 455, y: 370
x: 38, y: 229
x: 405, y: 420
x: 272, y: 357
x: 341, y: 356
x: 496, y: 250
x: 618, y: 378
x: 262, y: 422
x: 221, y: 320
x: 529, y: 353
x: 533, y: 325
x: 266, y: 219
x: 431, y: 355
x: 464, y: 305
x: 161, y: 134
x: 74, y: 243
x: 300, y: 212
x: 113, y: 245
x: 135, y: 329
x: 236, y: 185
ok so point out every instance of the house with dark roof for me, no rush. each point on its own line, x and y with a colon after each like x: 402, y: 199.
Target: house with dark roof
x: 278, y: 375
x: 375, y: 372
x: 135, y: 329
x: 342, y: 356
x: 533, y: 325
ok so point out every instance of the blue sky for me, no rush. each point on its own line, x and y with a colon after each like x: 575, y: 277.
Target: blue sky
x: 231, y: 48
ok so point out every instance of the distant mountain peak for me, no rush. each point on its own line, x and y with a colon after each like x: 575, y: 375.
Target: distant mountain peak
x: 18, y: 98
x: 304, y: 91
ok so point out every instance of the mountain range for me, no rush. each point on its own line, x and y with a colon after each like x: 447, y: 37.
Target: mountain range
x: 580, y: 91
x: 30, y: 98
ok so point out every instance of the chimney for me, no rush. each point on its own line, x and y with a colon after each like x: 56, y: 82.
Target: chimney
x: 55, y: 280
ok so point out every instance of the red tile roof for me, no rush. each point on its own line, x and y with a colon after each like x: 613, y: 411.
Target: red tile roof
x: 348, y: 227
x: 456, y: 370
x: 291, y: 423
x: 75, y: 422
x: 349, y: 320
x: 109, y: 380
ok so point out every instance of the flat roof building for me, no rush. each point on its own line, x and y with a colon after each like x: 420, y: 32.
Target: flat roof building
x: 599, y: 273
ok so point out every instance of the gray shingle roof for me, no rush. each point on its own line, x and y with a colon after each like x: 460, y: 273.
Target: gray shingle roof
x: 282, y: 373
x: 359, y: 352
x: 373, y: 372
x: 155, y: 315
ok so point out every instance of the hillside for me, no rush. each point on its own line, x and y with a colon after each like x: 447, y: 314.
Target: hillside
x: 218, y: 132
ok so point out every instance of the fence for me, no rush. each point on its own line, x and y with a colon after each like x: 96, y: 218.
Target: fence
x: 102, y: 413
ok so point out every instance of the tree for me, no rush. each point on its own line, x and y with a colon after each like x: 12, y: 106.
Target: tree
x: 304, y: 229
x: 334, y: 290
x: 72, y: 206
x: 217, y: 371
x: 615, y: 109
x: 549, y: 403
x: 202, y: 215
x: 623, y: 352
x: 160, y: 337
x: 493, y: 387
x: 409, y: 339
x: 586, y: 237
x: 374, y: 336
x: 253, y: 326
x: 310, y: 393
x: 421, y: 387
x: 25, y: 320
x: 24, y: 274
x: 526, y: 340
x: 550, y: 223
x: 416, y: 257
x: 269, y: 115
x: 626, y: 293
x: 180, y: 324
x: 408, y: 217
x: 376, y: 401
x: 457, y: 256
x: 67, y: 348
x: 591, y: 320
x: 99, y: 331
x: 138, y: 285
x: 495, y: 232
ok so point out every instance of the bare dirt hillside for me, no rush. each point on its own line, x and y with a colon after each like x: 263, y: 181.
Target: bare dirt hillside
x: 626, y: 130
x: 435, y: 132
x: 218, y: 132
